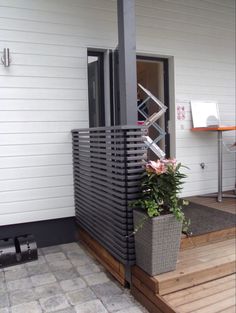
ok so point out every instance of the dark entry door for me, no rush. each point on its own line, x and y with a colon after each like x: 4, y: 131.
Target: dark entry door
x: 96, y: 89
x: 152, y: 73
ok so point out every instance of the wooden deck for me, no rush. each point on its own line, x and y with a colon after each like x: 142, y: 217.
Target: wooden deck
x: 207, y: 268
x: 212, y: 297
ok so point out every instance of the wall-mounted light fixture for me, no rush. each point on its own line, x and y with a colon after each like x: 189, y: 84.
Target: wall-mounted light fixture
x: 6, y: 57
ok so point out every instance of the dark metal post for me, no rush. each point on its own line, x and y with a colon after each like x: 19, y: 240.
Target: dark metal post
x: 127, y: 61
x: 220, y: 169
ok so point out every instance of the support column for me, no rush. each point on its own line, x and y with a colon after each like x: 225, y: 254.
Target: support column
x: 127, y: 62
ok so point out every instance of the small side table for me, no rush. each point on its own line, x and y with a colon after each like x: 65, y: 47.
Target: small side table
x: 219, y: 130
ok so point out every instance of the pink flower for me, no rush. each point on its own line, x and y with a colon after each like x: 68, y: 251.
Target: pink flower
x: 160, y: 166
x: 156, y: 167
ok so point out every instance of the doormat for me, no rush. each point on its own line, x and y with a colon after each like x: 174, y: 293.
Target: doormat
x: 206, y: 219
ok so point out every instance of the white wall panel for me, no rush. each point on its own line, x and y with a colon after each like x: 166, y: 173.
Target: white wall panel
x: 41, y: 127
x: 33, y: 183
x: 31, y: 172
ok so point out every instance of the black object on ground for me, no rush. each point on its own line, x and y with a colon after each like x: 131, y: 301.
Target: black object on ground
x: 7, y: 252
x: 17, y: 250
x: 206, y: 219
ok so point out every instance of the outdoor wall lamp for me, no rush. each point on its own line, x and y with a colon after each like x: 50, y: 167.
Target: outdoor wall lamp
x: 6, y: 57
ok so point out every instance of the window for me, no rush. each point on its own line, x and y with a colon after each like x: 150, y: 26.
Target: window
x: 96, y: 89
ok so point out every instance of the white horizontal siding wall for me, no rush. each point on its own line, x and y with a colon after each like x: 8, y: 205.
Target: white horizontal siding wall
x: 43, y: 94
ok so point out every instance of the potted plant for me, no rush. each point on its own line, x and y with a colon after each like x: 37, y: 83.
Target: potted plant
x: 158, y: 217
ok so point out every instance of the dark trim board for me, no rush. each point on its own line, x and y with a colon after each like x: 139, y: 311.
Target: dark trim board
x: 46, y: 233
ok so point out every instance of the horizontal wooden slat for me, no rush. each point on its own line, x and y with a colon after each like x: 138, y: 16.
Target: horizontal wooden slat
x: 199, y: 274
x: 192, y: 242
x: 212, y: 297
x: 156, y: 299
x: 206, y: 291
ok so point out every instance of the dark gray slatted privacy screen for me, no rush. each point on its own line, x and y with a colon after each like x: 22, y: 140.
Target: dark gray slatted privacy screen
x: 108, y: 163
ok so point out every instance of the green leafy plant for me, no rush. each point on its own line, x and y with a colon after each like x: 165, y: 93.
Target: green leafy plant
x: 161, y: 184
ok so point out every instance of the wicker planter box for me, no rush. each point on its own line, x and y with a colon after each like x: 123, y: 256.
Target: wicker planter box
x: 157, y: 243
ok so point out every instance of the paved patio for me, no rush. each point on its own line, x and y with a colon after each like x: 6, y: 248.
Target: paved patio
x: 64, y: 279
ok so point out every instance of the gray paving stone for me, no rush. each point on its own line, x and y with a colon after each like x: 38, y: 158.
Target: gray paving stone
x: 68, y: 310
x: 41, y: 260
x: 2, y: 276
x: 73, y: 246
x: 40, y: 252
x: 73, y: 284
x: 96, y: 278
x: 4, y: 300
x: 82, y: 260
x: 22, y: 296
x: 31, y: 307
x: 60, y: 265
x: 54, y: 257
x: 42, y: 279
x: 24, y: 283
x: 51, y: 249
x: 16, y: 274
x: 54, y: 303
x: 75, y: 254
x: 133, y: 309
x: 64, y: 274
x: 49, y: 290
x: 117, y: 302
x: 58, y: 280
x: 3, y: 286
x: 14, y: 267
x: 91, y: 307
x: 88, y: 269
x: 5, y: 310
x: 80, y: 296
x: 106, y: 289
x: 38, y: 269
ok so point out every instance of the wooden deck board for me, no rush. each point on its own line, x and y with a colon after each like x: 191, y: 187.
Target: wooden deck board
x: 158, y: 300
x: 217, y: 307
x: 217, y: 296
x: 231, y: 309
x: 206, y: 301
x: 179, y: 297
x: 198, y: 265
x: 200, y: 254
x: 221, y: 268
x: 200, y: 240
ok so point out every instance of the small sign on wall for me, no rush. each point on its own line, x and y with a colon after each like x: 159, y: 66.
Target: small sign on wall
x: 180, y: 112
x: 205, y: 114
